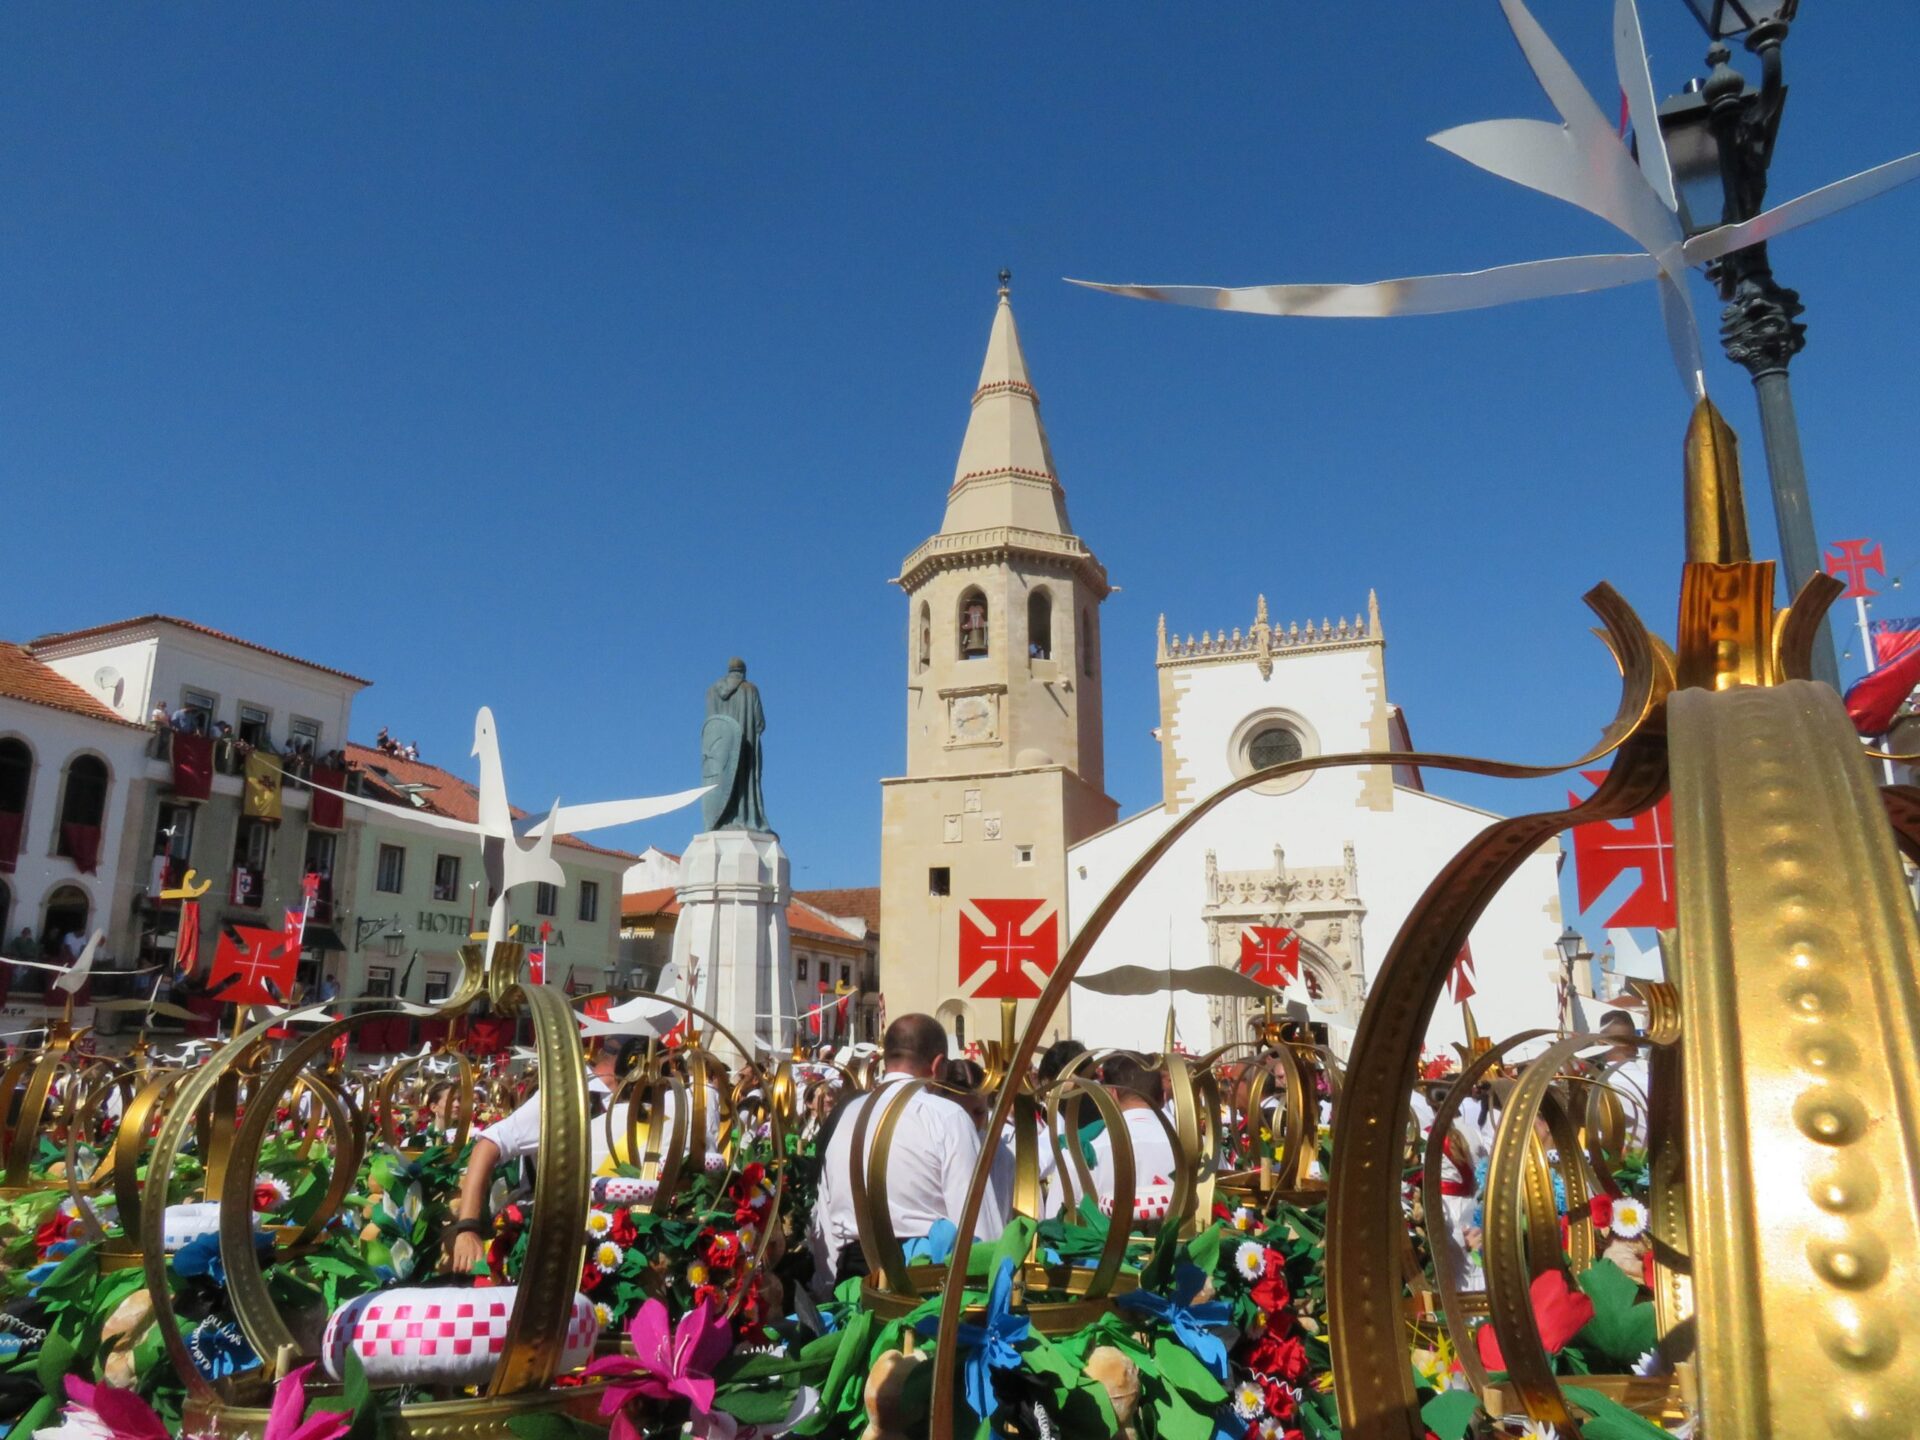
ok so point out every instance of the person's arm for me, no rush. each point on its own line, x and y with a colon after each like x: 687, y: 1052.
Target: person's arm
x: 469, y: 1248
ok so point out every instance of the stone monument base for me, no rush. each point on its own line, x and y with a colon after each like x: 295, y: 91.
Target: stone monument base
x: 731, y: 941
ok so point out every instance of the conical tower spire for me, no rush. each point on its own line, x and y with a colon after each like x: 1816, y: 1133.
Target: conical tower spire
x: 1005, y: 475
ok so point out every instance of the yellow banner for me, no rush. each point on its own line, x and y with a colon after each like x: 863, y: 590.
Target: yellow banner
x: 262, y: 798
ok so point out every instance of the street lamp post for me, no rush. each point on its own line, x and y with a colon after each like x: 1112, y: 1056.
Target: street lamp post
x: 1720, y: 139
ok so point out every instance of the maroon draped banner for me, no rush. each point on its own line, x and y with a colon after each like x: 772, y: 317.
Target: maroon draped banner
x: 192, y: 765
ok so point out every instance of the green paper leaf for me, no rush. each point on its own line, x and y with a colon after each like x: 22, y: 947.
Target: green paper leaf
x: 553, y: 1426
x: 1611, y: 1420
x: 1449, y: 1413
x: 39, y: 1415
x: 750, y: 1405
x: 1182, y: 1370
x: 1623, y: 1327
x: 54, y: 1362
x: 1204, y: 1249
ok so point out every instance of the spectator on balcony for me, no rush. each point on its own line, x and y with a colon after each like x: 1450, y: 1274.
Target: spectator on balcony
x: 24, y: 946
x: 188, y: 720
x: 159, y: 719
x: 329, y: 990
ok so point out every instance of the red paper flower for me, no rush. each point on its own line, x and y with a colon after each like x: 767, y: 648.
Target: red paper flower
x: 1282, y: 1402
x: 53, y: 1232
x: 1272, y: 1355
x: 1601, y: 1211
x: 1270, y: 1291
x: 624, y: 1231
x: 1560, y: 1310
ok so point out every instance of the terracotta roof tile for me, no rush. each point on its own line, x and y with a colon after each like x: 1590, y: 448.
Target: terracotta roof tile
x: 65, y: 637
x: 863, y: 902
x: 647, y: 904
x: 445, y: 793
x: 24, y: 678
x: 642, y: 903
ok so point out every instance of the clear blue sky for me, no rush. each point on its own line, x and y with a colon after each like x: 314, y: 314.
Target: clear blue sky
x: 545, y: 356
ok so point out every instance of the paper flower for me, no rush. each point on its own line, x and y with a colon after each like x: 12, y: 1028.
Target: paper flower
x: 599, y: 1224
x: 1629, y: 1218
x: 1538, y: 1430
x: 219, y: 1349
x: 284, y: 1421
x: 991, y: 1345
x: 1190, y: 1322
x: 1559, y: 1310
x: 1249, y: 1400
x: 608, y: 1255
x: 665, y: 1362
x: 1250, y: 1261
x: 602, y: 1314
x: 400, y: 1256
x: 270, y: 1192
x: 1600, y: 1211
x: 410, y: 1206
x: 100, y: 1412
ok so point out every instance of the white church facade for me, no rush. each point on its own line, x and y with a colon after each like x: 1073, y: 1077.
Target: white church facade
x: 1336, y: 857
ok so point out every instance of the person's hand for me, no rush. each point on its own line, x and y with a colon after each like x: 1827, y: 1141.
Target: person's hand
x: 469, y: 1252
x: 1471, y: 1237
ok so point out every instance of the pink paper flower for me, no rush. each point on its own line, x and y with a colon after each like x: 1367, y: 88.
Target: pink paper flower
x: 665, y: 1362
x: 290, y: 1403
x: 96, y: 1411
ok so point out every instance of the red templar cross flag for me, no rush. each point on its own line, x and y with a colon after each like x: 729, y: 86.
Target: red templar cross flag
x: 261, y: 955
x: 1603, y: 851
x: 1017, y: 955
x: 1270, y: 953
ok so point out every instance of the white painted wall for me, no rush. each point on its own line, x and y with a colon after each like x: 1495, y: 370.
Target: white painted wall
x: 55, y: 737
x: 1398, y: 851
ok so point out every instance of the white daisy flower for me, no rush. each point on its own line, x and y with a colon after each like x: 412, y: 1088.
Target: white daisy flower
x: 1244, y: 1217
x: 1249, y: 1401
x: 1250, y: 1261
x: 1650, y: 1364
x: 599, y: 1224
x: 1537, y: 1430
x: 602, y: 1314
x: 608, y: 1255
x: 1629, y: 1218
x: 748, y: 1237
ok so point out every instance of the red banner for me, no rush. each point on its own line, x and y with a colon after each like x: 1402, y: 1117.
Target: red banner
x: 186, y: 940
x: 192, y: 766
x: 82, y: 843
x: 1006, y: 952
x: 329, y: 811
x: 1603, y: 851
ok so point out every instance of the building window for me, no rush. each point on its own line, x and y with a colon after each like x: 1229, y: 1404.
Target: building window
x: 83, y: 805
x: 1273, y: 745
x: 253, y: 726
x: 16, y: 776
x: 940, y: 880
x: 172, y: 848
x: 198, y: 703
x: 546, y: 899
x: 390, y: 874
x: 319, y: 856
x: 1023, y: 854
x: 250, y: 844
x: 589, y: 900
x: 800, y: 968
x: 67, y: 913
x: 439, y: 985
x: 923, y: 655
x: 446, y: 877
x: 1086, y: 641
x: 303, y: 736
x: 380, y: 981
x: 1040, y: 625
x: 973, y: 625
x: 846, y: 975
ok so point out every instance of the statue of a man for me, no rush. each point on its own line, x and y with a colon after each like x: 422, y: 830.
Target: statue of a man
x: 730, y: 753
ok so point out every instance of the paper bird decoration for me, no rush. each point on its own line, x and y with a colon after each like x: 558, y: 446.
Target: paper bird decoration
x: 1584, y: 161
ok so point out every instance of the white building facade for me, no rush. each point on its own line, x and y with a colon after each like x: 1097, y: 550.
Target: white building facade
x: 1336, y: 857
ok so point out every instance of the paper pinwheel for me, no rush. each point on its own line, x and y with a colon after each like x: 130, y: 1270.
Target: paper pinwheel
x: 1584, y: 161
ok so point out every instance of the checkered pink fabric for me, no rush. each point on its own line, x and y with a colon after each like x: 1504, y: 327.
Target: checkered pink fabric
x: 1151, y: 1204
x: 622, y: 1190
x: 438, y: 1337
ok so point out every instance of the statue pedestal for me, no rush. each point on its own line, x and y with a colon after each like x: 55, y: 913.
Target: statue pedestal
x: 731, y: 937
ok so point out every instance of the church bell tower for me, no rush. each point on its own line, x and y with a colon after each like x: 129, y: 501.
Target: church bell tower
x: 1005, y: 767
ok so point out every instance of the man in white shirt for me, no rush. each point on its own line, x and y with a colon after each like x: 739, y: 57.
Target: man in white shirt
x: 929, y: 1166
x: 1135, y: 1088
x: 517, y: 1136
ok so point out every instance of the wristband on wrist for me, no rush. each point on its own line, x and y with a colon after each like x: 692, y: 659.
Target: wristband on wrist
x: 481, y: 1228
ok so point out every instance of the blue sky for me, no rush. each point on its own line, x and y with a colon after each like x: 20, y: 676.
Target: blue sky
x: 544, y: 356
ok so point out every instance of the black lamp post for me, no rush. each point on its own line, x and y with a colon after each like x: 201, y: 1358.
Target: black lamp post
x: 1719, y: 138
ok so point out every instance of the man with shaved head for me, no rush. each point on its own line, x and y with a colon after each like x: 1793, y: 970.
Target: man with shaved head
x: 929, y: 1165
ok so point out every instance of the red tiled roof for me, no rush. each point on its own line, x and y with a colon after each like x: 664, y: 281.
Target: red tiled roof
x: 68, y: 636
x: 863, y: 902
x: 24, y: 678
x: 650, y: 904
x: 447, y: 794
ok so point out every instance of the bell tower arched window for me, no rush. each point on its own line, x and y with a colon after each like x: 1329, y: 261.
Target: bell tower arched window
x: 1040, y: 625
x: 973, y: 625
x: 83, y: 809
x: 923, y: 642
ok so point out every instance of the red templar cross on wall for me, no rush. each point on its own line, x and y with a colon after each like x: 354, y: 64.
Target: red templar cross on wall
x: 1017, y: 954
x: 1603, y: 851
x: 1270, y: 954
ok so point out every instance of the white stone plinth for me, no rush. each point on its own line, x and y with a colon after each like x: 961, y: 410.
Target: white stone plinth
x: 731, y: 937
